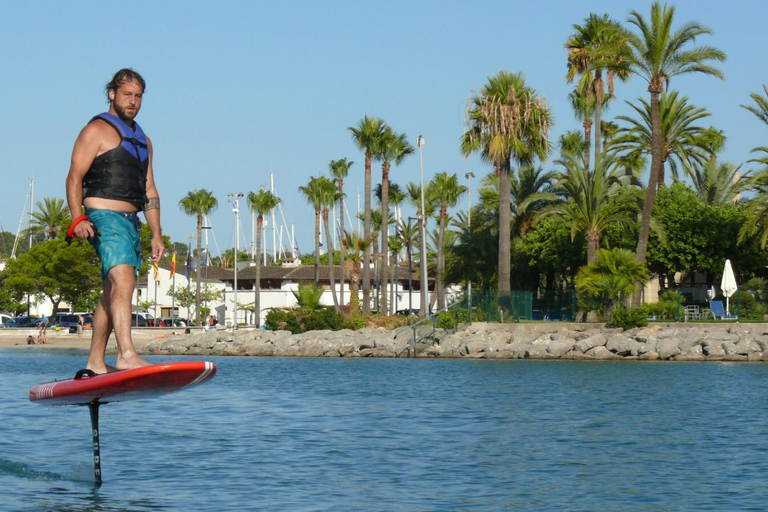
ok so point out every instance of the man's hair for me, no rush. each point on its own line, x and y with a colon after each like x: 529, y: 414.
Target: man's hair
x: 125, y: 75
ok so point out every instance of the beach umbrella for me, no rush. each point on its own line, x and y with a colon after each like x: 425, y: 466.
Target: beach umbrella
x: 728, y: 285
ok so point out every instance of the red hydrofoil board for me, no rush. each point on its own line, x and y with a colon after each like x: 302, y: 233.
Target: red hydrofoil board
x: 145, y: 382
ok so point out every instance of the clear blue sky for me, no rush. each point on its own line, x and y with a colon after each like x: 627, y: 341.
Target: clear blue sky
x: 238, y: 89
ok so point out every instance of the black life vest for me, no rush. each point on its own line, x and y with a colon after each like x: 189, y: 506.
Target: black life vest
x: 120, y: 173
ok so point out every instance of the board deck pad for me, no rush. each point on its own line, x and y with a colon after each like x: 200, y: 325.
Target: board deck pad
x: 145, y: 382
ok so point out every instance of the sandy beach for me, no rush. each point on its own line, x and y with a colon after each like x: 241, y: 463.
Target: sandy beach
x: 17, y: 339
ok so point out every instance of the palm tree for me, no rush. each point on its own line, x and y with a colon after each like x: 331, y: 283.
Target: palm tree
x: 313, y: 193
x: 761, y: 111
x: 413, y: 191
x: 658, y: 55
x: 260, y: 203
x: 614, y: 275
x: 356, y: 247
x: 392, y: 148
x: 328, y: 195
x: 339, y: 170
x: 685, y: 145
x: 573, y: 141
x: 445, y: 191
x: 530, y: 180
x: 597, y: 47
x: 367, y: 137
x: 583, y: 105
x: 200, y: 203
x: 51, y: 215
x: 506, y: 120
x: 592, y: 200
x: 717, y: 184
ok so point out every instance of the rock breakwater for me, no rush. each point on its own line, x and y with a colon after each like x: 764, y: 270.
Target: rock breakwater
x: 581, y: 341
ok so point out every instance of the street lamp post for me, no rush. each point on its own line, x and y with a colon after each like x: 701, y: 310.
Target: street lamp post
x: 236, y: 209
x: 424, y: 281
x: 410, y: 270
x: 469, y: 177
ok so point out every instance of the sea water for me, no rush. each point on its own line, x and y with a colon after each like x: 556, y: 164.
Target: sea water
x: 396, y: 434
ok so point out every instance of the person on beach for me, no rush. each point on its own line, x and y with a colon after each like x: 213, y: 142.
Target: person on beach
x: 31, y: 340
x: 42, y: 325
x: 80, y: 322
x: 110, y: 181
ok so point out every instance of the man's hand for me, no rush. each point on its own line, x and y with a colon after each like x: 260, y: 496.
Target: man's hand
x: 85, y: 229
x: 158, y: 248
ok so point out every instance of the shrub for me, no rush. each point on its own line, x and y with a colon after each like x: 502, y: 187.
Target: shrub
x: 282, y: 320
x: 628, y: 318
x: 322, y: 319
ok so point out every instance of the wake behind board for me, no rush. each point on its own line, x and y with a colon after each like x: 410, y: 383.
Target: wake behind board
x: 145, y: 382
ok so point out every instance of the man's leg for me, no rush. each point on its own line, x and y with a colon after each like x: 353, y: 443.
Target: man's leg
x: 102, y: 327
x: 122, y: 280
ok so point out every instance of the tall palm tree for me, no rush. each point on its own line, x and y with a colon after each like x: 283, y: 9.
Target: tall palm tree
x: 583, y: 105
x: 339, y: 170
x: 760, y: 109
x: 367, y: 137
x: 592, y: 200
x: 392, y: 148
x: 506, y: 120
x: 573, y: 141
x: 260, y: 203
x: 198, y: 203
x: 597, y: 48
x: 313, y: 193
x: 48, y: 218
x: 413, y: 191
x: 328, y: 195
x: 685, y: 144
x: 658, y: 55
x: 445, y: 191
x: 716, y: 184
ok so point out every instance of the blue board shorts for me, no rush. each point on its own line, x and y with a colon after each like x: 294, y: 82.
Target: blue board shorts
x: 118, y: 239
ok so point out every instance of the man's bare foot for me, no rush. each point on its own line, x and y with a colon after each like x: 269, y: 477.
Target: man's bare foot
x: 130, y: 362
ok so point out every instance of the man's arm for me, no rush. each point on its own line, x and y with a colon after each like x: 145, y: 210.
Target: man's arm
x: 152, y: 210
x: 86, y: 148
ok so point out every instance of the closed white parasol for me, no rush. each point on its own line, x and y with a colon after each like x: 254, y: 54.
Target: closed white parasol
x: 728, y: 285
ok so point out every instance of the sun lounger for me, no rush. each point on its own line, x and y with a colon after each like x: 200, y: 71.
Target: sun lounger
x: 718, y: 311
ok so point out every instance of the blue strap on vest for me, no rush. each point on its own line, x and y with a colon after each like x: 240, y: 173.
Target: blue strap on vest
x: 133, y: 139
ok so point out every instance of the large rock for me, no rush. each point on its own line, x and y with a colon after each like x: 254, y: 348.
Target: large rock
x: 667, y: 348
x: 560, y: 347
x: 587, y: 344
x: 621, y: 345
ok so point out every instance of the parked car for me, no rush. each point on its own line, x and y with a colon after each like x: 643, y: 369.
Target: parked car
x: 23, y: 322
x: 5, y: 318
x: 138, y: 320
x: 67, y: 321
x: 175, y: 321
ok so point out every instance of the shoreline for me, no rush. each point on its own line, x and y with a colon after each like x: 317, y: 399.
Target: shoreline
x: 546, y: 340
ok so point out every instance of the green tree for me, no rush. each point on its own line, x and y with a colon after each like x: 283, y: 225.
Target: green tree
x: 392, y: 148
x: 718, y: 183
x: 198, y: 203
x: 47, y: 221
x: 56, y: 270
x: 446, y: 191
x: 613, y: 276
x: 367, y: 137
x: 313, y: 193
x: 356, y: 247
x: 658, y: 55
x: 597, y: 48
x: 590, y: 200
x: 686, y: 146
x: 260, y: 203
x: 339, y: 170
x: 506, y: 120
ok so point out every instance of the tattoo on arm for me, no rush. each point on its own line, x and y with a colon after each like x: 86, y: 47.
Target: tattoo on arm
x: 153, y: 203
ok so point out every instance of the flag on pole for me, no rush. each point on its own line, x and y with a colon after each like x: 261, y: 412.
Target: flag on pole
x: 189, y: 264
x: 157, y: 271
x: 173, y: 264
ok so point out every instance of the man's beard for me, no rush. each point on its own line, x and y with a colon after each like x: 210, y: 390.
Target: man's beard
x: 125, y: 115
